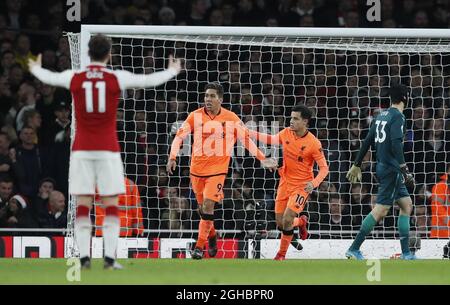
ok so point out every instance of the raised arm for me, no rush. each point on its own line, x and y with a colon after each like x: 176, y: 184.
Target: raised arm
x: 243, y: 136
x: 129, y: 80
x: 265, y: 138
x: 58, y: 79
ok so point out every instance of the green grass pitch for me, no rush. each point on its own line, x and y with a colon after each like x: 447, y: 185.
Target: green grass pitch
x: 227, y: 271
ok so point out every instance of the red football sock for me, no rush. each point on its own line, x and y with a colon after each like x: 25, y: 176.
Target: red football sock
x: 212, y: 232
x: 203, y: 232
x: 298, y: 222
x: 284, y: 244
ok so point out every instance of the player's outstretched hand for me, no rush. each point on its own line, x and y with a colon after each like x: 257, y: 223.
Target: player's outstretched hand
x: 175, y: 63
x: 354, y: 174
x: 270, y: 163
x: 170, y: 167
x: 37, y: 62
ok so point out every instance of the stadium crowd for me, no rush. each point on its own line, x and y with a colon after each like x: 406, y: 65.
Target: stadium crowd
x: 345, y: 90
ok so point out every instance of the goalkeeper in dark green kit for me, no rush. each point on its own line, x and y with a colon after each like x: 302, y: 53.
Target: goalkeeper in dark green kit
x: 386, y: 137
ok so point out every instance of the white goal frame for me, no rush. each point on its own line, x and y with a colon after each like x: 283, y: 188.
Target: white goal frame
x: 358, y: 39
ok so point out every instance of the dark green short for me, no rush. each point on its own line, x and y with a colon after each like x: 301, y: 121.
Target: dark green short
x: 391, y: 186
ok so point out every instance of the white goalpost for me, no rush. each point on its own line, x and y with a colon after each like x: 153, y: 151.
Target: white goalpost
x: 341, y: 74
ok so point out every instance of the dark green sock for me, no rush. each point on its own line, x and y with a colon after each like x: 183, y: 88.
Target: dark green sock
x: 367, y: 225
x: 403, y: 230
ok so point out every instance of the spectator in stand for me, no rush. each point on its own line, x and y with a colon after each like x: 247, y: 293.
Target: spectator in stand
x: 216, y: 18
x: 421, y: 20
x: 60, y: 160
x: 6, y: 62
x: 26, y: 99
x: 7, y: 111
x: 16, y: 214
x: 40, y: 202
x: 415, y: 142
x: 32, y: 118
x: 54, y: 214
x: 177, y: 215
x: 337, y: 157
x: 49, y: 59
x: 12, y: 135
x: 351, y: 19
x: 14, y: 13
x: 166, y: 16
x: 6, y: 190
x: 46, y: 103
x: 16, y: 78
x: 30, y: 162
x: 360, y: 203
x: 198, y: 12
x: 55, y: 130
x: 437, y: 148
x: 23, y: 51
x: 306, y: 8
x: 6, y: 169
x: 351, y: 138
x: 338, y: 217
x: 440, y: 209
x: 130, y: 212
x: 422, y: 202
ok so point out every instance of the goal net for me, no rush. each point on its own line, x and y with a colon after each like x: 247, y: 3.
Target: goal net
x: 342, y: 75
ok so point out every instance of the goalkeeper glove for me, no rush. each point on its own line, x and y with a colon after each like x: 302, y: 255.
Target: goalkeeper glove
x: 407, y: 176
x: 354, y: 174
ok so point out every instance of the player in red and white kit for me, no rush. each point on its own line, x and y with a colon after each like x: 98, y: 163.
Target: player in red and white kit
x: 95, y: 159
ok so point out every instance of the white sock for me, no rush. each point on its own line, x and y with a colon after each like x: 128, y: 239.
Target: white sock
x: 83, y: 235
x: 111, y: 232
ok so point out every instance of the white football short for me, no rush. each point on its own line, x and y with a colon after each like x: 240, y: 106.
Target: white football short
x: 96, y: 172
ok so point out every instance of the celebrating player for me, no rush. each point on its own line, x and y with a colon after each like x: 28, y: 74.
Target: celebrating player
x: 386, y: 136
x: 300, y: 149
x: 215, y: 131
x: 95, y: 159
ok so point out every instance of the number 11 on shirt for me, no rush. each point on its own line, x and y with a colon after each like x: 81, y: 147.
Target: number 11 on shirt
x: 100, y: 86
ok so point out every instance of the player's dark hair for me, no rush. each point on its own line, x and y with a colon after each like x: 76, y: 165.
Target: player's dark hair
x: 398, y: 94
x: 99, y: 47
x: 215, y: 86
x: 304, y: 111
